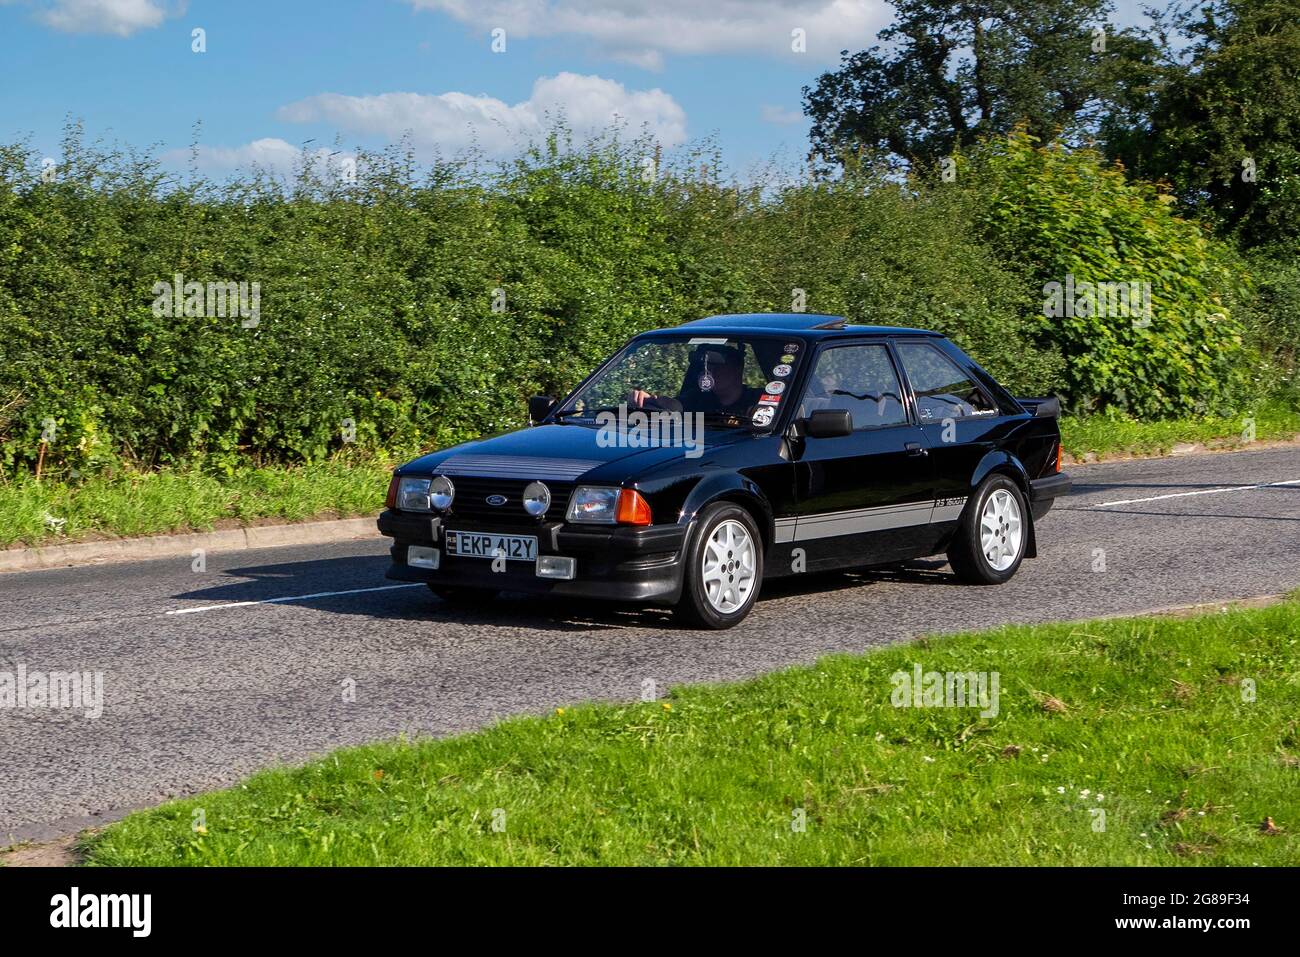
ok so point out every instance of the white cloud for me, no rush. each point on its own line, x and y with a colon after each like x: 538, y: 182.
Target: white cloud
x: 780, y: 115
x: 451, y: 121
x: 641, y: 31
x: 270, y: 153
x: 120, y: 17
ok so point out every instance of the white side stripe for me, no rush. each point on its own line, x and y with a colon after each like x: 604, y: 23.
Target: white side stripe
x: 947, y: 513
x: 855, y: 521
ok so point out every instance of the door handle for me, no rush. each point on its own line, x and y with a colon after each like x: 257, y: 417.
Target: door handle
x: 917, y: 449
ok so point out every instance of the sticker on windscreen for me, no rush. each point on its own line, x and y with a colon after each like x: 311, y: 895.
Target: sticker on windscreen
x: 775, y: 388
x: 781, y: 371
x: 763, y: 415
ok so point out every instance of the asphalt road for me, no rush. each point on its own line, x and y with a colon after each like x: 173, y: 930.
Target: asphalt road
x: 207, y: 679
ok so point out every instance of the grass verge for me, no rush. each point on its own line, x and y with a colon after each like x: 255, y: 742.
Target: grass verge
x: 1153, y: 721
x: 157, y: 503
x: 1105, y: 435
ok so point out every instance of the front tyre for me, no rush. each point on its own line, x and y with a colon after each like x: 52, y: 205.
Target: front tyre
x: 723, y: 568
x: 991, y: 537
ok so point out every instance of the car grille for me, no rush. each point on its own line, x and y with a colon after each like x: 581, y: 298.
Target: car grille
x: 470, y: 504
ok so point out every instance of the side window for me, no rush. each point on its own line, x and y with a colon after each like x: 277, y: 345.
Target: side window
x: 942, y: 390
x: 858, y: 378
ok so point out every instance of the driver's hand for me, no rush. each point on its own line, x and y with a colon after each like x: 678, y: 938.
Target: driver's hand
x: 638, y: 398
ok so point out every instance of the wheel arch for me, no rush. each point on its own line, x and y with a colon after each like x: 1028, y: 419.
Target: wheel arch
x: 1004, y: 463
x: 735, y: 489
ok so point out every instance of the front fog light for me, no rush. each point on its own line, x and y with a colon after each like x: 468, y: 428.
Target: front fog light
x: 420, y: 556
x: 537, y: 499
x: 441, y: 492
x: 556, y: 566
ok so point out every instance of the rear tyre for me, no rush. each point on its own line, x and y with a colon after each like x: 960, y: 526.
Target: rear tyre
x: 463, y: 596
x: 992, y: 533
x: 723, y: 568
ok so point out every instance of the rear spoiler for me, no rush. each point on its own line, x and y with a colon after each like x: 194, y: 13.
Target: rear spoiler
x: 1045, y: 408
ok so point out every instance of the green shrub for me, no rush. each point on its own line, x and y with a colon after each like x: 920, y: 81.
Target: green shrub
x: 1270, y: 312
x: 1067, y: 213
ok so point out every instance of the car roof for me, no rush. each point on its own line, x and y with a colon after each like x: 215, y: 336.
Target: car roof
x: 804, y: 324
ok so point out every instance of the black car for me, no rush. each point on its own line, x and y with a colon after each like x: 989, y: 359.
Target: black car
x: 700, y: 461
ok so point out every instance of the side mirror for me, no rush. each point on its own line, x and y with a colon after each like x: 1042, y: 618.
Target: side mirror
x: 539, y: 406
x: 830, y: 423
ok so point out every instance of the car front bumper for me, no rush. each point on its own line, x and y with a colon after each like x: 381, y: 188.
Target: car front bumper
x: 619, y: 563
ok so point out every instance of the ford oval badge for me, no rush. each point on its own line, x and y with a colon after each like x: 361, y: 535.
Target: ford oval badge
x: 496, y: 500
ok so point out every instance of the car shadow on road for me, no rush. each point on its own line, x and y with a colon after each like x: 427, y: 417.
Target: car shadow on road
x: 355, y: 585
x: 1083, y: 488
x: 280, y: 579
x: 365, y: 592
x: 918, y: 572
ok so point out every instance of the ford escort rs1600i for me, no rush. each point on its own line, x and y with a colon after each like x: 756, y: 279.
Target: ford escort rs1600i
x: 700, y: 461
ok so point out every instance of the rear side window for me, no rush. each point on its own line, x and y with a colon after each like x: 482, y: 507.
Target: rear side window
x: 942, y: 390
x: 859, y: 378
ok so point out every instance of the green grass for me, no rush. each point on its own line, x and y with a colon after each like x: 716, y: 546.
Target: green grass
x: 1156, y: 731
x: 133, y: 504
x: 1106, y: 435
x: 160, y: 502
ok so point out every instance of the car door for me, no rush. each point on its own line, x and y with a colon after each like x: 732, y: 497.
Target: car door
x: 864, y: 497
x: 961, y: 421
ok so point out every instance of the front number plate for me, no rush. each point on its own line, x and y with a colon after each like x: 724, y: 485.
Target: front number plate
x: 515, y: 548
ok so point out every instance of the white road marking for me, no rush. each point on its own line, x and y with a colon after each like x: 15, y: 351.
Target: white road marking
x: 277, y: 601
x: 1203, y: 491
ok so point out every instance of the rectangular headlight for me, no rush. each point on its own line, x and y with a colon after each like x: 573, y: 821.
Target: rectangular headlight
x: 593, y: 504
x: 413, y: 495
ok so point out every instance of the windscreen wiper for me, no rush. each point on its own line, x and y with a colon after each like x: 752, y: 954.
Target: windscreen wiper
x: 558, y: 416
x: 734, y: 419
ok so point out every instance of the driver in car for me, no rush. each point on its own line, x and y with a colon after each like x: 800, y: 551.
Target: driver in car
x: 719, y: 386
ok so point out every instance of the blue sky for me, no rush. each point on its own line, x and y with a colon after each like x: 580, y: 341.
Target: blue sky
x: 279, y: 73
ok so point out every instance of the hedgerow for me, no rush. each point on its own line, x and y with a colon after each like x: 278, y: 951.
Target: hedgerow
x: 1070, y: 218
x: 421, y: 306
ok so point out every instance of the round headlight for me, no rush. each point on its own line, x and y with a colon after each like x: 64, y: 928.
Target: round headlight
x: 441, y: 492
x: 537, y: 499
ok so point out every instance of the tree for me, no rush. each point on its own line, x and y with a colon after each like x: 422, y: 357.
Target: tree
x: 1225, y: 128
x: 957, y: 70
